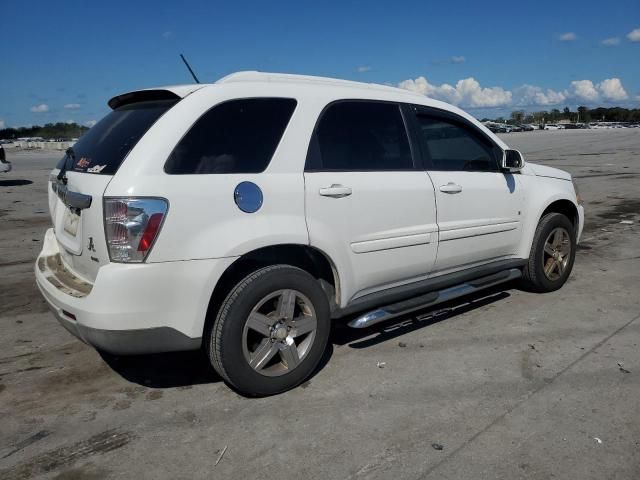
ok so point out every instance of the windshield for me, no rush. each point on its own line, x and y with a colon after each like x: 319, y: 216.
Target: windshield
x: 105, y: 146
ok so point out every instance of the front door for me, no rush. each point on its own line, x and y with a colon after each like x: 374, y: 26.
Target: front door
x: 479, y: 206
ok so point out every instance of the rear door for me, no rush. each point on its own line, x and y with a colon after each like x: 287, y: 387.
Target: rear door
x: 81, y: 177
x: 479, y: 206
x: 367, y: 205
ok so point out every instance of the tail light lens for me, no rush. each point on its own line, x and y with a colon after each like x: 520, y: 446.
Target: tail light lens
x: 131, y: 226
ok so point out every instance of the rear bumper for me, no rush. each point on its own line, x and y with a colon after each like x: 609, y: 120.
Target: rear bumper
x: 5, y: 167
x: 132, y: 308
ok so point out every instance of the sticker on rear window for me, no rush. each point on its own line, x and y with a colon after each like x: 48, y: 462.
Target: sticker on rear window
x: 96, y: 169
x: 83, y: 162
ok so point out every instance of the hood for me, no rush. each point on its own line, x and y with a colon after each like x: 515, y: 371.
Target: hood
x: 544, y: 171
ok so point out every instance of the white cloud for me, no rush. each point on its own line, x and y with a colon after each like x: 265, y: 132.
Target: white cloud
x: 568, y: 37
x: 43, y: 107
x: 90, y: 123
x: 532, y: 95
x: 612, y: 89
x: 457, y: 59
x: 72, y: 106
x: 363, y: 69
x: 634, y: 35
x: 611, y: 42
x: 583, y: 90
x: 467, y: 92
x: 2, y: 124
x: 167, y: 35
x: 477, y: 96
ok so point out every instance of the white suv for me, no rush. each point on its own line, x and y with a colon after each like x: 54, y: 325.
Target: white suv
x: 245, y: 215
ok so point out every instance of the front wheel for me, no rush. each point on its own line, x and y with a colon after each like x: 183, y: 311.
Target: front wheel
x: 271, y: 331
x: 552, y: 254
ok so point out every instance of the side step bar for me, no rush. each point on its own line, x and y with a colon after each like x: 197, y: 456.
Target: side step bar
x: 432, y: 298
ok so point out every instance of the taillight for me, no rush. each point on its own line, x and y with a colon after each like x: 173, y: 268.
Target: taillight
x: 131, y: 226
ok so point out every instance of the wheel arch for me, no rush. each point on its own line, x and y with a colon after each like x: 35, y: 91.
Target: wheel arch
x: 563, y: 206
x: 558, y: 204
x: 311, y: 259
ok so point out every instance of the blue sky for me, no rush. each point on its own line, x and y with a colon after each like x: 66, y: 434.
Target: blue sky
x: 63, y: 60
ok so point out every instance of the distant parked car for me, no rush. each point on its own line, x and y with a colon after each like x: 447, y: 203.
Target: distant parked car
x: 552, y: 126
x: 497, y: 128
x: 516, y: 128
x: 4, y: 165
x: 527, y: 128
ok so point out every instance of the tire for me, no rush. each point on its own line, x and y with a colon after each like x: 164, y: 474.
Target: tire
x: 247, y: 345
x: 546, y: 272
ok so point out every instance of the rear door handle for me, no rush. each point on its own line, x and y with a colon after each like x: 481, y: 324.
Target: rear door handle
x: 335, y: 191
x: 450, y: 188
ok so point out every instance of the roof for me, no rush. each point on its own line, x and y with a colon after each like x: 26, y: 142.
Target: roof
x: 254, y: 76
x: 264, y: 78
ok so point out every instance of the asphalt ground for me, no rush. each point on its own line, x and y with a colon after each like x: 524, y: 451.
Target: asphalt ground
x: 506, y: 384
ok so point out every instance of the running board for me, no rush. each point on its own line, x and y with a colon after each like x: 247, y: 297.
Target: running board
x: 432, y: 298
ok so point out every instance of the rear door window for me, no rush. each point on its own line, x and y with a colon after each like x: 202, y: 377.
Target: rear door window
x: 360, y: 136
x: 238, y: 136
x: 105, y: 146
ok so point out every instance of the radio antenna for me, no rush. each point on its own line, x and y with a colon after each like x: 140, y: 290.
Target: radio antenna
x: 189, y: 67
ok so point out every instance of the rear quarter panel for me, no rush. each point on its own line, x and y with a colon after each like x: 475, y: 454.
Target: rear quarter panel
x: 203, y: 220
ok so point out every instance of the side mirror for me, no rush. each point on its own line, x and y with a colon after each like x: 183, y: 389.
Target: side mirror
x: 512, y: 161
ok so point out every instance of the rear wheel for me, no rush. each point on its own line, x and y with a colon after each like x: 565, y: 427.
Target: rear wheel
x: 552, y: 254
x: 271, y: 331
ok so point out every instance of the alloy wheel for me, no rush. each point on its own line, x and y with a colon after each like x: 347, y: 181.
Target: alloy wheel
x: 279, y: 332
x: 557, y: 252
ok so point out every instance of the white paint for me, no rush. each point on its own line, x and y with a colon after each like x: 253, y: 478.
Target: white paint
x: 394, y: 227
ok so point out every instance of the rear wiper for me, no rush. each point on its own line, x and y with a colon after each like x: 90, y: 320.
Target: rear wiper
x: 62, y: 177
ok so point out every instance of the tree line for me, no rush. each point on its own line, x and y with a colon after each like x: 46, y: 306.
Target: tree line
x: 582, y: 114
x: 60, y: 130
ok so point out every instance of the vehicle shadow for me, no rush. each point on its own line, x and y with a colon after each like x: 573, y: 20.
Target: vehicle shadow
x: 164, y: 370
x: 14, y: 183
x: 182, y: 369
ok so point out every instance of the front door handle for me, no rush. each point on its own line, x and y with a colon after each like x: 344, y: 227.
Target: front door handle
x: 450, y: 188
x: 335, y: 191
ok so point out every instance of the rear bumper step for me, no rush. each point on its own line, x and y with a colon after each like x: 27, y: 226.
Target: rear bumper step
x: 432, y: 298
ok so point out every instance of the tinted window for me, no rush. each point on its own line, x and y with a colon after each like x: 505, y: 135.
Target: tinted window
x: 239, y: 136
x: 103, y: 148
x: 454, y: 146
x: 360, y: 136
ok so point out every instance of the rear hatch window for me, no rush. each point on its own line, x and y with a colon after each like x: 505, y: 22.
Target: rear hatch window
x: 105, y: 146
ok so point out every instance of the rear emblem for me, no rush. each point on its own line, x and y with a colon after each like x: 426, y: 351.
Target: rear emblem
x: 91, y: 246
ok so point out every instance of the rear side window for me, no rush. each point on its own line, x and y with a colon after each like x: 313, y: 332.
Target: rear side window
x: 104, y: 147
x: 238, y: 136
x: 360, y: 136
x: 454, y: 146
